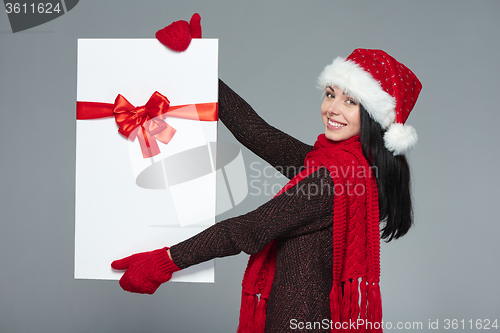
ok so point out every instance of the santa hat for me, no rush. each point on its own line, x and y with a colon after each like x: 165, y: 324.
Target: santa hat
x: 387, y: 89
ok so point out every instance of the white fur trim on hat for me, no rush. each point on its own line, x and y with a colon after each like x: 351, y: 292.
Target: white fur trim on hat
x: 354, y: 80
x: 400, y: 139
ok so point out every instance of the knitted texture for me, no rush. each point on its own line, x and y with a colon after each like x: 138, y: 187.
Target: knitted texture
x: 177, y: 36
x: 356, y: 238
x: 300, y: 220
x: 195, y: 26
x: 352, y: 238
x: 145, y: 271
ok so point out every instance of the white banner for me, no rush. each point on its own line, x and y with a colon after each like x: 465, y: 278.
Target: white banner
x: 126, y: 203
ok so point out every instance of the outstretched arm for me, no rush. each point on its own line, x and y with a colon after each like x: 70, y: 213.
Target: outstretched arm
x: 300, y: 210
x: 279, y: 149
x: 275, y: 147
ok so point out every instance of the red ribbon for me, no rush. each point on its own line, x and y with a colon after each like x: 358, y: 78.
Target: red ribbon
x: 146, y: 122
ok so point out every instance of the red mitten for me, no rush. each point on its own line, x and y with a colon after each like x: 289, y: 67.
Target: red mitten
x: 177, y: 36
x: 195, y: 26
x: 145, y: 271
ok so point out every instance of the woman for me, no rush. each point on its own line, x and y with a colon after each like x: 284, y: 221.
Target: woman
x: 315, y: 246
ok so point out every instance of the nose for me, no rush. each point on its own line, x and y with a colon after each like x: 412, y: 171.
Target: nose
x: 333, y: 108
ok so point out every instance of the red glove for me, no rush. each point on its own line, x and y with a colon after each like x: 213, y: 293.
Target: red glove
x: 145, y: 271
x: 177, y: 36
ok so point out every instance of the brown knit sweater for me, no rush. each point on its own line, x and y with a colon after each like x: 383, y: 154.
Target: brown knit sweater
x: 300, y: 219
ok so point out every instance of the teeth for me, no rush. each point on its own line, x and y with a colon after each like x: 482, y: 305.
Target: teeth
x: 335, y: 124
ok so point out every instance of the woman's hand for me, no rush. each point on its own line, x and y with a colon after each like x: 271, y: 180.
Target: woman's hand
x: 177, y: 36
x: 145, y: 271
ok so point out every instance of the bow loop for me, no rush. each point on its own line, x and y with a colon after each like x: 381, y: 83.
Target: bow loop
x: 131, y: 120
x: 129, y: 117
x: 157, y: 106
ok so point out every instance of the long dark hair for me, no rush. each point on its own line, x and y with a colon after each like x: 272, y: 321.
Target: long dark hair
x: 393, y: 179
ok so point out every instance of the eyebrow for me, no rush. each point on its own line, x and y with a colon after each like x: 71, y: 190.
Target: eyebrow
x: 346, y: 94
x: 331, y: 88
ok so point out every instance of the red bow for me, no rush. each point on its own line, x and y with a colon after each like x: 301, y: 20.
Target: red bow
x: 146, y: 122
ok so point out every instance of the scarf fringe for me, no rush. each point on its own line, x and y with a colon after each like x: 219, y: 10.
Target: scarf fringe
x: 252, y: 314
x: 247, y: 312
x: 359, y: 300
x: 346, y: 305
x: 362, y: 311
x: 354, y: 300
x: 260, y: 316
x: 374, y: 310
x: 335, y: 299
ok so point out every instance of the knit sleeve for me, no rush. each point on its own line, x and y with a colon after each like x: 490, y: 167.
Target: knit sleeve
x: 305, y: 208
x: 279, y: 149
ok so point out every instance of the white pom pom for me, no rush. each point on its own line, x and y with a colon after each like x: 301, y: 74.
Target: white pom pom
x: 400, y: 139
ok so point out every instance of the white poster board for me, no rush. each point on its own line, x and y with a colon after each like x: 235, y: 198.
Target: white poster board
x: 126, y: 203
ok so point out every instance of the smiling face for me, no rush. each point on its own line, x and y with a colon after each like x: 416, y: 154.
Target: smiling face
x: 340, y: 114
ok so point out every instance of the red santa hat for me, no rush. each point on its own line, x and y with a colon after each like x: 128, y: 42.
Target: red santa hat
x: 387, y: 89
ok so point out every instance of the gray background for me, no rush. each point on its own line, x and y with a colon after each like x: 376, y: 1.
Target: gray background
x: 271, y: 53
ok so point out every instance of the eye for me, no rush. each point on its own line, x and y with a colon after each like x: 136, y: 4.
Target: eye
x: 351, y: 101
x: 329, y: 94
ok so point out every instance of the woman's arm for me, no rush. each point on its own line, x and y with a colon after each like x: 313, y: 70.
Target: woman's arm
x: 279, y: 149
x: 304, y: 208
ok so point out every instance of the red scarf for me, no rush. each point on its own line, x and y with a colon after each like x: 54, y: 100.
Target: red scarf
x: 355, y: 292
